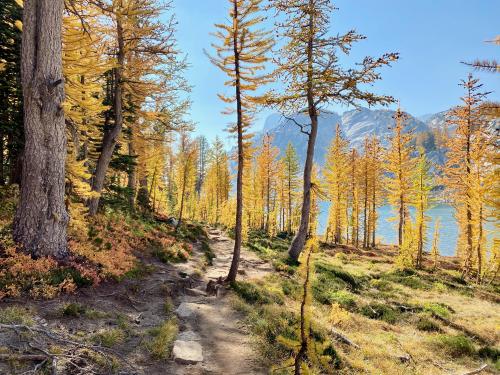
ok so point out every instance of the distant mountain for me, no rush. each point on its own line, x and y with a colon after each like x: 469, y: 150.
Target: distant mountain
x: 355, y: 124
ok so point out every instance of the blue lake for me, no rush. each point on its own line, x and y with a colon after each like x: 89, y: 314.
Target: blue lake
x: 387, y: 231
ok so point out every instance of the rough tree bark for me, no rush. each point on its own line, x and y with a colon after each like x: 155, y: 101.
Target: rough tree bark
x: 233, y: 271
x: 41, y: 218
x: 110, y: 138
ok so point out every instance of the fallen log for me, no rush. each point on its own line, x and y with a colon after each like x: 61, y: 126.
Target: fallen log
x: 458, y: 327
x: 341, y: 337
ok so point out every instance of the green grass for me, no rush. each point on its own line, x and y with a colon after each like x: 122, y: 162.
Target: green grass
x: 16, y: 315
x: 110, y: 337
x: 382, y: 312
x: 408, y: 278
x: 426, y: 324
x: 455, y: 346
x: 439, y: 309
x: 207, y: 252
x: 256, y: 295
x: 163, y: 337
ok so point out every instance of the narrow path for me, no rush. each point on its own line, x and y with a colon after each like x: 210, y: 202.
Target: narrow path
x: 226, y: 346
x: 209, y: 329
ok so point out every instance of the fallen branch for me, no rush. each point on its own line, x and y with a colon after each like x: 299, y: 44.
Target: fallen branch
x: 477, y: 371
x: 51, y: 335
x: 22, y: 357
x: 458, y: 327
x: 339, y: 336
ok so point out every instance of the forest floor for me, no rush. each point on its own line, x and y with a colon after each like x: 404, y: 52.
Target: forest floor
x: 366, y: 317
x: 131, y: 327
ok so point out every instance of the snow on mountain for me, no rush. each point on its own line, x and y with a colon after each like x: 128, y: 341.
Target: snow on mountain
x: 355, y: 124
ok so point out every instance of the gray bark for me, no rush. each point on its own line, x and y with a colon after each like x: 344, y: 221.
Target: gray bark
x: 110, y: 138
x: 41, y: 218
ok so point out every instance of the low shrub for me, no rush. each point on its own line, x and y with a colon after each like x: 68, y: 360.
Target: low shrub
x: 380, y: 312
x: 439, y: 309
x: 454, y: 345
x: 256, y: 295
x: 426, y: 324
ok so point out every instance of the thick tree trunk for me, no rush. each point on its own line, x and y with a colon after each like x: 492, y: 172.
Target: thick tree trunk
x: 41, y: 218
x: 110, y: 138
x: 233, y: 271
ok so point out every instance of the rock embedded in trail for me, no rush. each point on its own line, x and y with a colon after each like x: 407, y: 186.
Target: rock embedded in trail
x: 188, y: 336
x: 186, y: 310
x: 187, y: 352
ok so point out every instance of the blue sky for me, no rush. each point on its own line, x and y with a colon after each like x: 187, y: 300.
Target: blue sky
x: 432, y: 37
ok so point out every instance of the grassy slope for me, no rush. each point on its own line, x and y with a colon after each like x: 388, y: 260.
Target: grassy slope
x: 400, y: 320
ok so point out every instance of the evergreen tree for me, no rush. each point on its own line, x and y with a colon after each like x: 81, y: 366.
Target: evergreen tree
x: 41, y: 217
x: 11, y: 109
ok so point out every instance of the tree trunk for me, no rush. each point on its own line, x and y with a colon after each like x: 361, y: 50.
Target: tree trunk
x: 233, y: 271
x: 374, y: 211
x: 2, y: 161
x: 365, y: 208
x: 41, y: 218
x: 300, y: 238
x: 132, y: 173
x: 110, y: 138
x: 303, y: 317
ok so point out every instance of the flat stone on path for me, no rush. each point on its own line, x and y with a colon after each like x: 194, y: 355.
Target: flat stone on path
x: 187, y: 352
x: 185, y: 310
x: 188, y: 336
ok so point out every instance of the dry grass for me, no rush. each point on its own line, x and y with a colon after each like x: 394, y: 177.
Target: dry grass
x: 410, y: 338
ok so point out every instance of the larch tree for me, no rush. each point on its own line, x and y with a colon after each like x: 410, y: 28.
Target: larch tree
x: 141, y: 43
x: 423, y: 184
x: 185, y: 174
x: 400, y: 167
x: 375, y: 191
x: 291, y: 167
x: 242, y: 56
x: 435, y: 244
x: 84, y: 69
x: 41, y: 218
x: 267, y: 171
x: 336, y: 174
x: 313, y: 77
x: 465, y: 174
x: 354, y: 196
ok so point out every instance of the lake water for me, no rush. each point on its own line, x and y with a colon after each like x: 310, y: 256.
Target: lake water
x: 387, y: 230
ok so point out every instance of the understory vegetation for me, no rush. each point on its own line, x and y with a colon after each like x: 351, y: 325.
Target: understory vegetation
x: 369, y: 317
x: 108, y: 246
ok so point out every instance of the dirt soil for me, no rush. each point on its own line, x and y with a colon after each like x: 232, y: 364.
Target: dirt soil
x: 136, y: 306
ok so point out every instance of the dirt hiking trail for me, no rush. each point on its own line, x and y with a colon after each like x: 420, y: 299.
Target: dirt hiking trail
x: 212, y: 338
